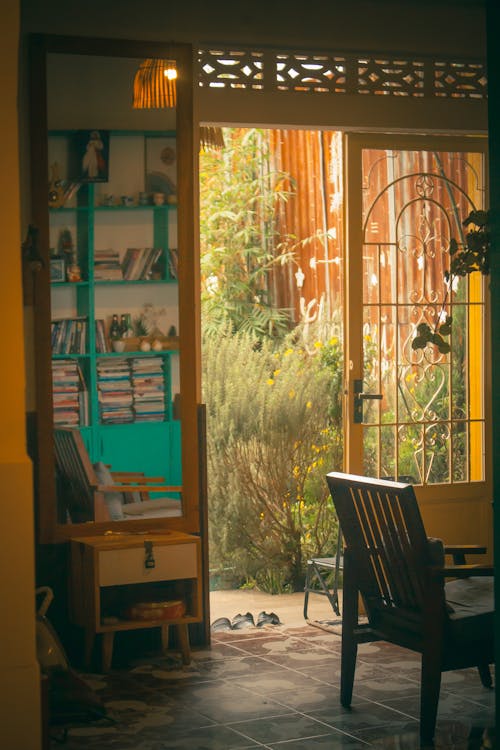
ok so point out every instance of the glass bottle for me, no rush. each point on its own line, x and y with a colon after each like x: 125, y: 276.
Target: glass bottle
x: 125, y: 326
x: 114, y: 329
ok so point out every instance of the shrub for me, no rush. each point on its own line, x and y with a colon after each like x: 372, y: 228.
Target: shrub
x: 271, y: 440
x: 239, y: 241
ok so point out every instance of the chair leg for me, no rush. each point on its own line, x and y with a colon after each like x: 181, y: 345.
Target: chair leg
x: 107, y: 650
x: 485, y: 675
x: 429, y: 696
x: 89, y: 645
x: 349, y: 641
x: 306, y: 589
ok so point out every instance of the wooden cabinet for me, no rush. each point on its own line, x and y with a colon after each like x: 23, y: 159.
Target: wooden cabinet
x: 113, y: 576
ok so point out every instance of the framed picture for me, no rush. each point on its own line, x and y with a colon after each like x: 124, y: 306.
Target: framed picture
x: 90, y: 162
x: 57, y: 269
x: 161, y: 165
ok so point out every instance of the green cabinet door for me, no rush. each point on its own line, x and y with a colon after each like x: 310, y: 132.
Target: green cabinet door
x: 150, y: 447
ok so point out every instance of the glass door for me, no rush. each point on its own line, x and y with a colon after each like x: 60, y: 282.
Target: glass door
x: 414, y: 414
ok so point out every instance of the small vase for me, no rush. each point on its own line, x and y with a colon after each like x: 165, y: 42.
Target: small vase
x: 157, y: 345
x: 145, y: 346
x: 118, y: 345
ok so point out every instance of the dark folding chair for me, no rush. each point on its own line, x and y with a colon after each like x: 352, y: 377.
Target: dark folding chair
x: 323, y: 578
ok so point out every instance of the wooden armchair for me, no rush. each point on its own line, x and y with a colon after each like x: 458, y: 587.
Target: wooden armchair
x: 400, y: 575
x: 89, y: 494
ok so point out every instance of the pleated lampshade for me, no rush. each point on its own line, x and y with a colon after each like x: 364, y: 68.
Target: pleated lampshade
x: 154, y: 85
x: 211, y: 138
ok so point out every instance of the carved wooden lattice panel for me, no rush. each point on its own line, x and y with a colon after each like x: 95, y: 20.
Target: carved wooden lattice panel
x: 317, y: 73
x: 390, y: 77
x: 231, y: 69
x: 340, y: 73
x: 460, y: 80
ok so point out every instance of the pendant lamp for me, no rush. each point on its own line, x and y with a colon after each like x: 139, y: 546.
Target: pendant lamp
x: 211, y: 138
x: 154, y: 85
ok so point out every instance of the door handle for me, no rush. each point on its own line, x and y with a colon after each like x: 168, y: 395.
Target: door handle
x: 359, y: 397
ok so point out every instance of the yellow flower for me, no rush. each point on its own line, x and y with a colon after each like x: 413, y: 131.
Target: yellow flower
x: 308, y: 404
x: 276, y: 373
x: 318, y: 344
x: 296, y: 471
x: 291, y: 394
x: 288, y: 352
x: 270, y: 381
x: 333, y: 341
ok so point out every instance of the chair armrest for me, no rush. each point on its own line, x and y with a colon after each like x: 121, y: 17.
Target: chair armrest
x: 136, y: 488
x: 461, y: 571
x: 459, y: 551
x: 467, y: 549
x: 134, y: 477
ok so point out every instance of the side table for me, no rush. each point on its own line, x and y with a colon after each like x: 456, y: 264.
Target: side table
x: 111, y: 573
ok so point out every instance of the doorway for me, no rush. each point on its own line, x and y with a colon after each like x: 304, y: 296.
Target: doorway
x: 406, y: 198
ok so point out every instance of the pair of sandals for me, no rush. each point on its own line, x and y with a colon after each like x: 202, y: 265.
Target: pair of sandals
x: 240, y: 622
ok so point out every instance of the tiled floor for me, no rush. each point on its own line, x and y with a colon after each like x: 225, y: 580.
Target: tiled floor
x: 278, y: 687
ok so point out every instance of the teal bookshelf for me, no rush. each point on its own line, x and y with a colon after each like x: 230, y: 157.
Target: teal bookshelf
x: 122, y: 423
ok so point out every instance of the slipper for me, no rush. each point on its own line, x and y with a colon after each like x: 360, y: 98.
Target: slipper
x: 222, y: 623
x: 242, y: 621
x: 267, y: 619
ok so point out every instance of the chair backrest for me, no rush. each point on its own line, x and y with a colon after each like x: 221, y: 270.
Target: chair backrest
x: 386, y: 540
x: 76, y: 478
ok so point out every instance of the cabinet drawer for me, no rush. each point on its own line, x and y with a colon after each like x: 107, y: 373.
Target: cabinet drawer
x: 122, y: 566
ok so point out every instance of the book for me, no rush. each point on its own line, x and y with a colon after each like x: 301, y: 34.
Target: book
x: 107, y: 265
x: 173, y: 262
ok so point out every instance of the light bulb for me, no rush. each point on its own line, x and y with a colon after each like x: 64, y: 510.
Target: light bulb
x: 170, y: 73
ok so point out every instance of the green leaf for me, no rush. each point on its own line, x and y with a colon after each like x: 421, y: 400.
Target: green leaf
x: 419, y: 342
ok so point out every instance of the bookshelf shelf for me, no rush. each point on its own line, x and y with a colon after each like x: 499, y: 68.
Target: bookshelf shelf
x: 69, y: 284
x: 121, y: 282
x: 70, y: 356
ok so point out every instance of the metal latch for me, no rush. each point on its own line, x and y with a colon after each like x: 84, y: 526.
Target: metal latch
x: 149, y: 560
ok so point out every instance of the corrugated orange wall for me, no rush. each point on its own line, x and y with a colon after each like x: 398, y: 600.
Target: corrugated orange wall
x: 313, y: 216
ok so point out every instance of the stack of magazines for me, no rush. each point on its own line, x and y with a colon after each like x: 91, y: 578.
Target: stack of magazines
x: 69, y: 394
x: 115, y: 391
x: 107, y: 265
x: 148, y: 383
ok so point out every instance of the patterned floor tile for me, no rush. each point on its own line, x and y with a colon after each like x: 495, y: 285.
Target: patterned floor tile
x: 279, y: 691
x: 293, y: 726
